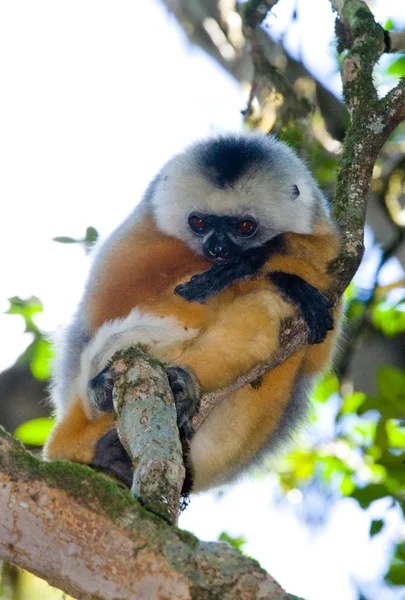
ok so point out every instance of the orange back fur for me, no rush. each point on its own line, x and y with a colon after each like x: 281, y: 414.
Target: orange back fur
x: 145, y: 263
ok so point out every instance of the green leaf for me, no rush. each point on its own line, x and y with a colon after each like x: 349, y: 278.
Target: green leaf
x: 91, y: 235
x: 395, y: 433
x: 396, y: 574
x: 90, y: 239
x: 389, y: 25
x: 370, y: 403
x: 374, y: 491
x: 376, y: 527
x: 400, y: 551
x: 26, y: 309
x: 346, y: 485
x: 381, y: 438
x: 355, y: 309
x: 351, y: 403
x: 40, y: 362
x: 328, y: 385
x: 394, y: 466
x: 389, y: 319
x: 391, y: 387
x: 235, y: 542
x: 62, y: 239
x: 34, y: 432
x: 397, y: 67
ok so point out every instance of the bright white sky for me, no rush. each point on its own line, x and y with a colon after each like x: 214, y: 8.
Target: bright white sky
x: 95, y: 96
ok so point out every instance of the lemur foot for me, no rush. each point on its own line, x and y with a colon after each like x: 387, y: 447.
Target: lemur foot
x: 100, y: 390
x: 314, y: 306
x: 186, y: 392
x: 112, y: 457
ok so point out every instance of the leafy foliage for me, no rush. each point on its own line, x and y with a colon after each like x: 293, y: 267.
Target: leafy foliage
x: 34, y: 432
x: 235, y: 542
x: 88, y: 241
x: 389, y: 319
x: 39, y: 353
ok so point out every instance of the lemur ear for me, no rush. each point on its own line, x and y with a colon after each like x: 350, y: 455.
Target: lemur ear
x: 295, y: 192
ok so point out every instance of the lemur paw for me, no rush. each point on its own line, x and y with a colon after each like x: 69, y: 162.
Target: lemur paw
x: 194, y: 290
x: 314, y: 306
x: 100, y: 390
x: 112, y: 457
x: 318, y: 319
x: 186, y: 392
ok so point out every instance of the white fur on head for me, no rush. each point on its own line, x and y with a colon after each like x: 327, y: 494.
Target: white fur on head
x: 264, y: 191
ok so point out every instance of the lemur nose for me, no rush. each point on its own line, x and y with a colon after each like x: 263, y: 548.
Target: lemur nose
x: 221, y: 250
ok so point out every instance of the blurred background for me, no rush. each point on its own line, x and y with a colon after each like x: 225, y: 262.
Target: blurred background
x: 95, y: 97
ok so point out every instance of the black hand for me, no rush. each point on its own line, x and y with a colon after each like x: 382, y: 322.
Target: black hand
x: 204, y: 285
x: 100, y: 390
x: 186, y: 392
x: 314, y: 306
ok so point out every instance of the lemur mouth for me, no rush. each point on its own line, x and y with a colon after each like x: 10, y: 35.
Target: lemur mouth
x: 220, y: 261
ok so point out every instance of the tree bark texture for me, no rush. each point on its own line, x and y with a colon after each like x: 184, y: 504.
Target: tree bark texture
x: 147, y: 427
x: 84, y: 534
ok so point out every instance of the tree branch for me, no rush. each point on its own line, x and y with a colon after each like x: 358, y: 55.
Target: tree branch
x: 372, y: 121
x: 147, y: 426
x: 233, y: 55
x: 254, y: 12
x: 395, y: 41
x: 85, y: 535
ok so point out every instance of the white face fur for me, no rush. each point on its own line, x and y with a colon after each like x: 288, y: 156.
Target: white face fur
x: 265, y: 190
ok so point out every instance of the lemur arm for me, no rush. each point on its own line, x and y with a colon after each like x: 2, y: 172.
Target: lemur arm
x: 313, y: 305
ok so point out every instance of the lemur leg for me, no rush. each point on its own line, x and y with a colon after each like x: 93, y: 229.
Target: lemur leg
x: 94, y: 443
x: 75, y: 436
x: 242, y: 425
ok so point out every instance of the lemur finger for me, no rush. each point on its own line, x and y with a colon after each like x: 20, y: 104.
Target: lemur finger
x: 100, y: 390
x: 112, y: 457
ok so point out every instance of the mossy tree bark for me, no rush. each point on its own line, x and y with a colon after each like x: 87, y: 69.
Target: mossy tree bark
x: 86, y: 535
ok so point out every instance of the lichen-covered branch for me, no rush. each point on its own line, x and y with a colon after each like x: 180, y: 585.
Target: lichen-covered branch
x: 147, y: 427
x: 86, y: 535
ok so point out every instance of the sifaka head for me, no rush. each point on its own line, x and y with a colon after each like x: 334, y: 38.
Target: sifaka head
x: 231, y: 193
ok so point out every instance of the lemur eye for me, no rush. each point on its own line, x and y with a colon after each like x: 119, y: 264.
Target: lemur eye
x: 246, y: 227
x: 197, y: 224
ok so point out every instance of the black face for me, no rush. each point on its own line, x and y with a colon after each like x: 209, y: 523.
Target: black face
x: 224, y: 235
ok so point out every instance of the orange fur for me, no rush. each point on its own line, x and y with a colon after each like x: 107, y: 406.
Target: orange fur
x: 241, y: 424
x: 238, y: 328
x: 137, y: 276
x: 75, y: 436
